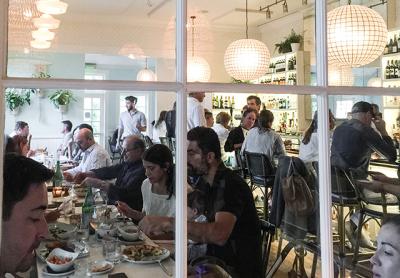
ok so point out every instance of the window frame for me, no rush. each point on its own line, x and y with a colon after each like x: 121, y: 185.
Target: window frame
x: 182, y: 88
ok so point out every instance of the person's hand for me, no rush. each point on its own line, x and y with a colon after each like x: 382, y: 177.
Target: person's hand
x: 96, y: 183
x: 126, y: 210
x: 375, y: 186
x: 156, y: 225
x: 380, y: 177
x: 68, y: 176
x: 237, y: 146
x: 381, y: 126
x: 80, y: 177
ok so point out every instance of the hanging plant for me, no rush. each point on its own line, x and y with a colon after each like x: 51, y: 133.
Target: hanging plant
x: 61, y: 97
x: 16, y: 98
x: 284, y: 46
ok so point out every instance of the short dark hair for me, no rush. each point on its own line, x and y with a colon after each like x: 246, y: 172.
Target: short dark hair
x: 256, y: 98
x: 206, y: 139
x: 197, y: 200
x: 19, y: 174
x: 138, y: 143
x: 248, y: 111
x: 265, y: 119
x: 207, y: 114
x: 20, y: 125
x: 131, y: 99
x: 361, y: 107
x: 68, y: 124
x: 88, y: 126
x: 223, y: 118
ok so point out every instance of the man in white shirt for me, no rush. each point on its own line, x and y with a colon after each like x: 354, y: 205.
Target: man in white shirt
x: 94, y: 156
x: 131, y: 122
x: 21, y: 128
x: 67, y: 139
x: 195, y: 111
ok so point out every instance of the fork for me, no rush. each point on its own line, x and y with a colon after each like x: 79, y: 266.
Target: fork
x: 166, y: 271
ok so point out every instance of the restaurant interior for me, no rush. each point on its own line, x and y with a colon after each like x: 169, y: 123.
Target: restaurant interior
x: 79, y: 60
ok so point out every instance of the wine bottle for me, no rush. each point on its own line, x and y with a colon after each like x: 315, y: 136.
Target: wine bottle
x: 395, y: 46
x: 221, y: 103
x: 391, y: 46
x: 87, y: 208
x: 387, y: 70
x: 58, y: 176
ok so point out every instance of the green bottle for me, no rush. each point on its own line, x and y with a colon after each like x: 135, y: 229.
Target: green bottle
x: 87, y: 208
x: 58, y: 176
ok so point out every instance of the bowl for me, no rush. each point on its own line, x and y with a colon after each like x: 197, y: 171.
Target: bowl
x: 106, y: 230
x: 129, y: 233
x: 60, y: 260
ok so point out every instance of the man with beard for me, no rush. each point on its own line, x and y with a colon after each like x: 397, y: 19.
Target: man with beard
x: 233, y: 230
x: 23, y: 217
x: 131, y: 122
x: 129, y: 174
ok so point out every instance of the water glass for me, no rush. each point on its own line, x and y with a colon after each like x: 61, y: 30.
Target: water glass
x: 82, y: 233
x: 111, y: 249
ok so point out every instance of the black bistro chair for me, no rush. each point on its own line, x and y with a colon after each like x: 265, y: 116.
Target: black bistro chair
x: 114, y: 150
x: 262, y: 175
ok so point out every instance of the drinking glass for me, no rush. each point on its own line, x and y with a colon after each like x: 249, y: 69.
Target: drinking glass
x: 111, y: 249
x: 82, y: 233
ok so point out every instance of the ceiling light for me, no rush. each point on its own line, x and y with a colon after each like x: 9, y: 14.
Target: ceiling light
x: 198, y: 69
x: 246, y: 59
x: 340, y: 76
x: 46, y: 21
x: 40, y: 44
x: 132, y: 51
x: 43, y: 35
x: 146, y: 74
x: 51, y: 6
x: 356, y: 35
x: 285, y: 7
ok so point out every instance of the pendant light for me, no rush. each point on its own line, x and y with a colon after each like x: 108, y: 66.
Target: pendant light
x: 340, y: 75
x: 40, y: 44
x: 198, y: 69
x: 43, y: 34
x: 356, y: 35
x: 146, y: 74
x: 54, y: 7
x: 46, y: 21
x: 246, y: 59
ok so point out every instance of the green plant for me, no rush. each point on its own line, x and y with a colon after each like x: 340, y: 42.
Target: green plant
x: 284, y: 46
x: 61, y: 97
x: 17, y: 97
x: 294, y: 38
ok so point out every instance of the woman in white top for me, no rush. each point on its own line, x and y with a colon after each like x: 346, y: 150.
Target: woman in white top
x: 160, y: 128
x: 221, y: 128
x: 158, y: 188
x: 309, y: 145
x: 264, y: 139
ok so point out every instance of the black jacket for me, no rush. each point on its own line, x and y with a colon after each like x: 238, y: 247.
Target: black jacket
x: 127, y: 188
x: 235, y: 136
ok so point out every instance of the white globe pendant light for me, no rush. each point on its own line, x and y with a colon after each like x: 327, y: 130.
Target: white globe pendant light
x: 246, y: 59
x: 146, y: 74
x: 198, y: 69
x: 43, y: 35
x: 356, y: 35
x: 54, y: 7
x: 40, y: 44
x: 46, y: 21
x: 340, y: 76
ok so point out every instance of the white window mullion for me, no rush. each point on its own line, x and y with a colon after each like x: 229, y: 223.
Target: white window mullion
x: 181, y: 130
x: 323, y: 142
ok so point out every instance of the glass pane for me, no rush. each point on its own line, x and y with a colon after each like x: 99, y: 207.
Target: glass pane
x: 87, y: 103
x: 87, y: 115
x: 95, y: 115
x: 96, y: 127
x: 96, y: 103
x: 86, y: 45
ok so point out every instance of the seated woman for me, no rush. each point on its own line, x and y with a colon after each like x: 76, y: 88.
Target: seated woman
x: 264, y: 139
x: 309, y: 145
x: 158, y: 188
x: 221, y: 128
x: 18, y: 144
x: 238, y: 134
x: 386, y: 260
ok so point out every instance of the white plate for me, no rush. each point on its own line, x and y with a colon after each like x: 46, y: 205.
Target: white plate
x: 42, y: 250
x: 102, y: 262
x: 54, y: 274
x: 151, y: 259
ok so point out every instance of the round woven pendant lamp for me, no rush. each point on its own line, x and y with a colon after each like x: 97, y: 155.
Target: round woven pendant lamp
x: 356, y: 35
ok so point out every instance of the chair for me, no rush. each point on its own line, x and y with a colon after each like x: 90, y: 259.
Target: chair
x: 241, y: 164
x: 165, y: 141
x: 147, y: 141
x: 262, y: 174
x: 114, y: 150
x: 267, y: 236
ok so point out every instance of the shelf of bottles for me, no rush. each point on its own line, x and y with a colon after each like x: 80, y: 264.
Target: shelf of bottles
x: 231, y: 104
x: 391, y: 60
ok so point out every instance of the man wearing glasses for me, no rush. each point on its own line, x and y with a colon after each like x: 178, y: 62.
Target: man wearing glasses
x: 129, y: 175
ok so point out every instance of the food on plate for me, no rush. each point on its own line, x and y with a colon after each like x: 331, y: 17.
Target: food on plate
x: 56, y: 231
x: 59, y: 260
x: 100, y: 267
x: 139, y: 252
x: 55, y: 244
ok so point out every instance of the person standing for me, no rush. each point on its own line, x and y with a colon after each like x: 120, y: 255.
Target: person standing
x: 159, y: 127
x: 67, y: 138
x: 195, y: 110
x: 132, y: 121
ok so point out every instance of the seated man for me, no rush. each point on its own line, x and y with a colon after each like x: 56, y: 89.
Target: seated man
x: 129, y: 174
x: 21, y: 128
x: 94, y: 155
x: 24, y: 205
x: 233, y: 230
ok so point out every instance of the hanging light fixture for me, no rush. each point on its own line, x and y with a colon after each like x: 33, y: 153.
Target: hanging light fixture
x: 198, y: 70
x: 146, y: 74
x: 40, y: 44
x: 51, y: 6
x: 246, y: 59
x: 340, y: 76
x: 285, y: 7
x: 46, y: 21
x: 132, y: 51
x: 356, y: 35
x: 43, y: 34
x: 375, y: 81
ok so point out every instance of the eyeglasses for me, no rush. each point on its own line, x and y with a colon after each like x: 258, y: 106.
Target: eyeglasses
x: 124, y: 150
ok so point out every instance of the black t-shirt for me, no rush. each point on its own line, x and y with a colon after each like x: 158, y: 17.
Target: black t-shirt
x: 229, y: 193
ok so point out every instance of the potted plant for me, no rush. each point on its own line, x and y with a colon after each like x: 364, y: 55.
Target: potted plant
x: 41, y: 75
x: 16, y: 98
x: 283, y: 46
x: 295, y: 40
x: 61, y: 98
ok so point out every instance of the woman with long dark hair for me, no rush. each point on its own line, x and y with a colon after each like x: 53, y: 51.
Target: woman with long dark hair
x: 236, y: 136
x: 264, y: 139
x: 158, y: 188
x: 309, y: 144
x: 160, y: 127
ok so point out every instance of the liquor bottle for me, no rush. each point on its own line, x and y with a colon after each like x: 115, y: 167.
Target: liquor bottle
x: 386, y: 50
x: 391, y: 46
x: 229, y: 102
x: 395, y: 69
x: 398, y: 43
x: 233, y: 102
x: 226, y: 103
x: 395, y: 47
x: 58, y: 176
x: 87, y: 208
x: 221, y: 103
x: 392, y: 69
x: 387, y: 70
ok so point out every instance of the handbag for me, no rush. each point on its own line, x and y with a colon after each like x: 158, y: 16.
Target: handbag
x: 298, y: 197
